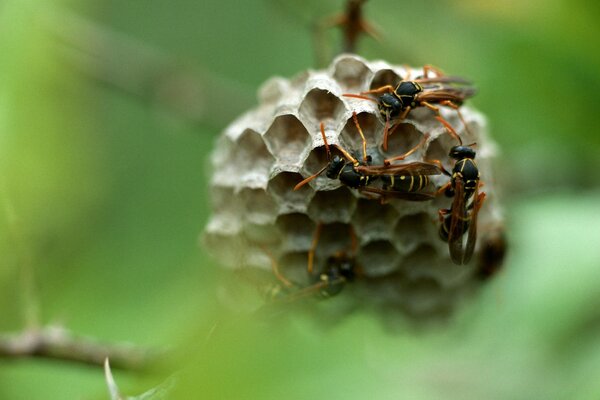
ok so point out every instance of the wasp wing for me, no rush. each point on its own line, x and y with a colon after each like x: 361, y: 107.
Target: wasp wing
x: 457, y: 222
x: 443, y: 79
x: 408, y: 169
x: 457, y: 95
x: 478, y: 199
x: 411, y: 196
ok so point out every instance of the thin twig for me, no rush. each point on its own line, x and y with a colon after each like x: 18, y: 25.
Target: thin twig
x: 145, y: 72
x: 59, y: 344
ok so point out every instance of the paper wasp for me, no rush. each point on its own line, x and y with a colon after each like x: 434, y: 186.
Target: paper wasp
x: 395, y: 103
x: 402, y: 181
x: 339, y: 269
x: 461, y: 217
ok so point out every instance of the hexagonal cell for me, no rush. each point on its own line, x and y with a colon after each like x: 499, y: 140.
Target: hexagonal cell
x: 351, y: 73
x: 223, y: 246
x: 332, y: 238
x: 385, y: 77
x: 316, y: 160
x: 261, y: 234
x: 412, y: 230
x: 281, y: 188
x: 378, y: 258
x: 293, y: 266
x: 296, y: 231
x: 332, y: 206
x: 252, y: 160
x: 273, y: 90
x: 372, y: 129
x: 287, y: 139
x: 373, y: 220
x: 426, y: 261
x: 404, y: 137
x: 439, y: 148
x: 259, y: 207
x: 321, y: 106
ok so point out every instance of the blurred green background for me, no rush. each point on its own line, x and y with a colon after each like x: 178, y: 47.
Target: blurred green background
x: 104, y: 142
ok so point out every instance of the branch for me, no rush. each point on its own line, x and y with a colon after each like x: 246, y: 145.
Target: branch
x: 57, y: 343
x: 145, y: 72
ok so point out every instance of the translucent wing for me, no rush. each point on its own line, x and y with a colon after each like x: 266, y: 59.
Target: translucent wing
x: 408, y: 169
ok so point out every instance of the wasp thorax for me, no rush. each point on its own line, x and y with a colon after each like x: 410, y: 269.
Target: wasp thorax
x: 258, y: 218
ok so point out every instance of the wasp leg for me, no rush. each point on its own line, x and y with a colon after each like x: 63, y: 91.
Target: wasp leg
x: 275, y: 268
x: 381, y: 90
x: 313, y: 248
x: 456, y: 107
x: 388, y: 161
x: 430, y: 68
x: 443, y: 121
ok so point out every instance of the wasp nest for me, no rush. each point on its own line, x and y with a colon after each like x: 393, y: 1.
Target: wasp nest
x: 262, y: 155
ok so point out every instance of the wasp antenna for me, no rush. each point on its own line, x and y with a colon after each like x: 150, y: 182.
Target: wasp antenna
x: 472, y: 144
x: 364, y: 141
x: 386, y: 129
x: 310, y: 178
x: 322, y: 126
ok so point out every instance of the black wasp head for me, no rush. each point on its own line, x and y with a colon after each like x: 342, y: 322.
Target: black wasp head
x: 335, y: 166
x: 460, y: 152
x: 389, y: 105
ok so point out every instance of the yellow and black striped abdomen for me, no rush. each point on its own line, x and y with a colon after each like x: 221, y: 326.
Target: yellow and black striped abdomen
x: 406, y: 183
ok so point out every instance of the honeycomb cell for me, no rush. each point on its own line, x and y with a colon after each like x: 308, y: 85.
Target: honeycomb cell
x: 411, y: 230
x: 252, y: 160
x: 287, y: 139
x: 259, y: 207
x: 385, y: 77
x: 332, y: 206
x: 351, y: 73
x: 264, y: 234
x: 296, y: 231
x: 274, y: 90
x: 403, y: 138
x: 316, y: 160
x: 281, y: 188
x: 378, y: 258
x: 439, y: 148
x: 372, y: 129
x: 321, y: 106
x: 293, y: 266
x: 373, y: 221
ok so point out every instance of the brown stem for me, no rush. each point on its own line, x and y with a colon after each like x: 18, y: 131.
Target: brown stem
x: 57, y: 343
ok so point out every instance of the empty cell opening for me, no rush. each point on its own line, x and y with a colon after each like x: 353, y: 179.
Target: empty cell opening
x: 251, y: 155
x: 260, y: 207
x: 404, y: 137
x: 439, y: 148
x: 372, y: 217
x: 385, y: 77
x: 332, y: 206
x: 293, y: 266
x: 296, y: 230
x: 350, y: 137
x: 351, y: 73
x: 281, y: 186
x: 321, y: 106
x: 413, y: 229
x: 333, y: 238
x: 378, y: 258
x: 287, y: 139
